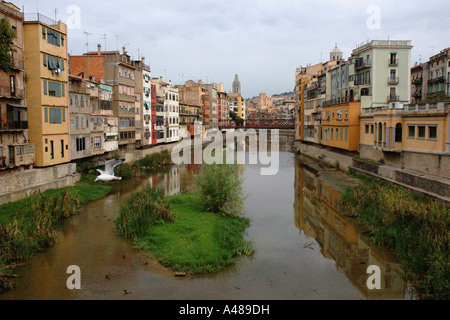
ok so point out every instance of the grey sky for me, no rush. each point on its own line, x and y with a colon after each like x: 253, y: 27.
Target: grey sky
x: 261, y: 40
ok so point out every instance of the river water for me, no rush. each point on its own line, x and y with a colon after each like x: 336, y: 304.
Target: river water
x: 305, y: 247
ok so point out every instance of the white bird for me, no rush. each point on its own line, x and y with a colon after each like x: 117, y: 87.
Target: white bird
x: 108, y: 174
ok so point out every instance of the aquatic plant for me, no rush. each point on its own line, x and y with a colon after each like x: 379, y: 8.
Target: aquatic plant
x: 221, y: 190
x: 142, y: 210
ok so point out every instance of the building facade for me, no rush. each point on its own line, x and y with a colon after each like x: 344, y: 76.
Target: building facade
x: 117, y: 70
x: 47, y: 89
x: 15, y: 149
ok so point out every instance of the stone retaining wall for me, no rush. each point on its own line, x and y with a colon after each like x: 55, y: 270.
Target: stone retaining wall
x: 19, y: 185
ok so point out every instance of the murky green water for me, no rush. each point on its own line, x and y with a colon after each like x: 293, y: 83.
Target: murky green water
x: 305, y: 248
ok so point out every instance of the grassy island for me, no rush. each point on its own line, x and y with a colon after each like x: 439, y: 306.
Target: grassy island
x: 183, y: 232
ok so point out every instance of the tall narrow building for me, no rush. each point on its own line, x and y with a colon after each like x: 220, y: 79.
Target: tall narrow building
x: 237, y: 85
x: 15, y: 151
x: 47, y: 88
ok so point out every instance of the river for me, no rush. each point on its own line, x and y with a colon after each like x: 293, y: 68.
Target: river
x: 305, y: 247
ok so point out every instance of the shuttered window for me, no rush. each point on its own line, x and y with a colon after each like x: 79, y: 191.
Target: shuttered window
x: 55, y: 115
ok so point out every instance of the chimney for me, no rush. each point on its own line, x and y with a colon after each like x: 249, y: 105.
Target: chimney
x: 143, y: 59
x: 124, y: 50
x: 99, y: 49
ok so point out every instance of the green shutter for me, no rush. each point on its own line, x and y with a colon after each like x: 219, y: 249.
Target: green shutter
x: 45, y: 87
x: 43, y: 33
x: 63, y: 115
x: 46, y: 114
x: 45, y: 60
x: 63, y: 91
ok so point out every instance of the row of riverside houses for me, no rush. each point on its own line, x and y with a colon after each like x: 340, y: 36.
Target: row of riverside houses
x: 56, y: 108
x: 375, y: 104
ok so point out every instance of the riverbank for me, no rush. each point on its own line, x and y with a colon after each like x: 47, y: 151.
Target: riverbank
x: 28, y: 226
x: 436, y: 188
x: 193, y: 242
x: 415, y: 227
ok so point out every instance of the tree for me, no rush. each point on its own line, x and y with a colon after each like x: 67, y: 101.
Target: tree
x: 7, y: 35
x: 233, y: 115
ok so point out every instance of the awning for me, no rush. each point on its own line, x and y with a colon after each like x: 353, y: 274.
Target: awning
x: 16, y: 106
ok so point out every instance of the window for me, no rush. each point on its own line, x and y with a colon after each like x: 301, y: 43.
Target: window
x: 367, y: 129
x: 62, y: 148
x: 432, y: 132
x: 81, y: 144
x: 52, y: 155
x: 12, y: 83
x: 55, y: 115
x: 422, y: 132
x: 411, y: 131
x: 55, y: 89
x: 398, y: 133
x: 97, y: 142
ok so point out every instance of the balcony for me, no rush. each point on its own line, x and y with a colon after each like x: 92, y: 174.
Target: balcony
x: 359, y: 65
x: 393, y: 62
x: 18, y: 64
x: 393, y: 98
x: 6, y: 92
x: 436, y: 80
x: 13, y: 125
x: 393, y: 80
x: 417, y: 81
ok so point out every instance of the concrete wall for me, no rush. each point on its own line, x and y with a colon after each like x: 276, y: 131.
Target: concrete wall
x: 334, y: 159
x: 23, y: 184
x: 426, y: 163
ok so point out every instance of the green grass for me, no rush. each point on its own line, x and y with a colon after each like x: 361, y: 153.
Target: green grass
x: 196, y: 242
x: 415, y: 227
x: 83, y: 193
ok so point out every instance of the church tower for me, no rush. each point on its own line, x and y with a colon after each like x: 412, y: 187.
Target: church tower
x: 237, y: 85
x: 336, y: 54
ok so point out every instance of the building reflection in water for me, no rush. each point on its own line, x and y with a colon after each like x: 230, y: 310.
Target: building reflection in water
x: 176, y: 180
x: 318, y: 216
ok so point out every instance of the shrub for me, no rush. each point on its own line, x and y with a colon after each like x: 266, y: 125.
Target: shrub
x: 221, y: 190
x: 142, y: 210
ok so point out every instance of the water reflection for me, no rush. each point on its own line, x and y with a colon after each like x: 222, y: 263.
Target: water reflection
x: 327, y: 260
x: 318, y: 216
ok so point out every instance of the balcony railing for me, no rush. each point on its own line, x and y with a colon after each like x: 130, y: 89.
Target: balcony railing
x: 393, y: 98
x: 393, y: 80
x: 37, y: 17
x: 13, y: 125
x: 437, y: 80
x: 362, y: 65
x: 6, y: 92
x: 393, y: 62
x: 417, y: 81
x: 18, y: 64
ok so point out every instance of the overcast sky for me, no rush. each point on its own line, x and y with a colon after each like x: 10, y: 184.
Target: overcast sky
x: 263, y: 41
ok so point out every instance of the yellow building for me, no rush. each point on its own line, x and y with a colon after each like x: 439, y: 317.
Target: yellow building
x: 340, y: 126
x: 415, y: 137
x: 47, y: 84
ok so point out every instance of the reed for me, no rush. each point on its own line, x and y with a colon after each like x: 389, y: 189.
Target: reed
x: 417, y: 228
x: 142, y: 210
x: 27, y: 226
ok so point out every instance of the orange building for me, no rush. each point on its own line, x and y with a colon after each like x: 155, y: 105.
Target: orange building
x: 340, y: 126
